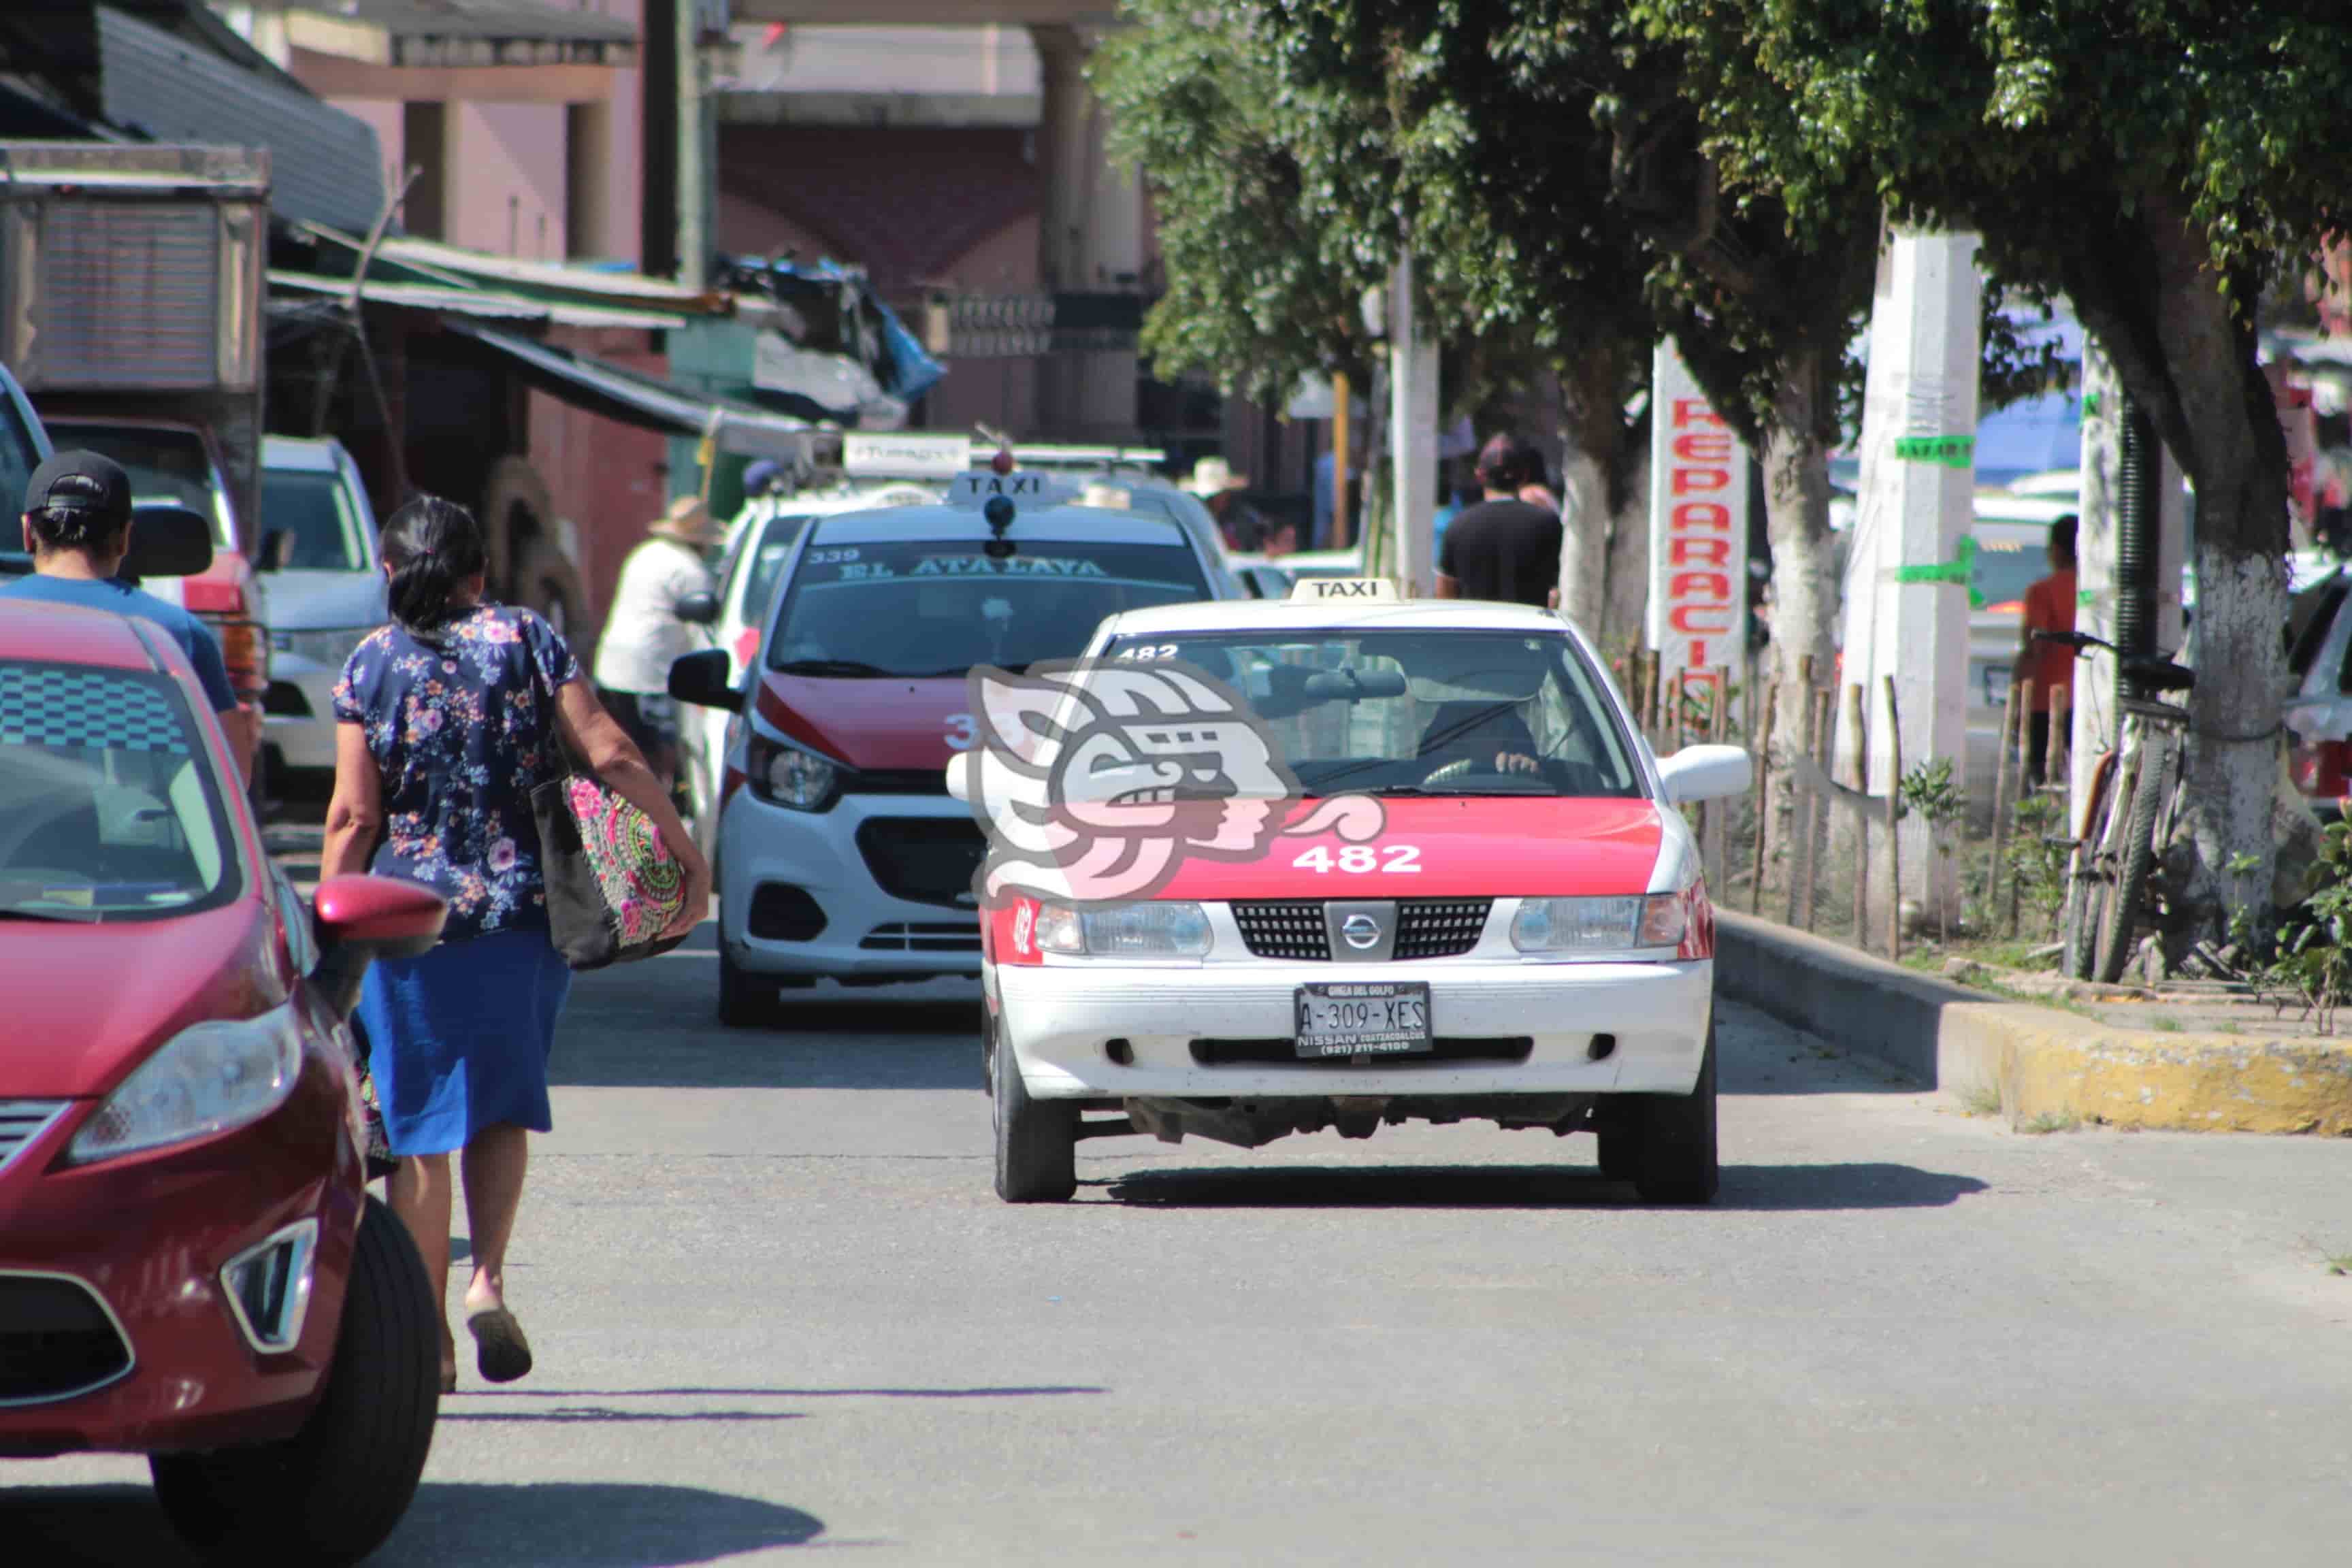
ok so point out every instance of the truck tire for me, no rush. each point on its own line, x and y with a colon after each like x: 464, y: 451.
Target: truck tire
x: 330, y: 1494
x: 1036, y: 1140
x: 1677, y: 1160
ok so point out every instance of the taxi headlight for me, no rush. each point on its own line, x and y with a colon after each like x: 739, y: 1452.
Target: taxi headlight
x: 1600, y: 925
x: 785, y: 774
x: 209, y: 1078
x: 1156, y: 929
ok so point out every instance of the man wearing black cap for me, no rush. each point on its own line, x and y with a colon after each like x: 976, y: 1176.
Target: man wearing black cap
x: 78, y: 526
x: 1502, y: 548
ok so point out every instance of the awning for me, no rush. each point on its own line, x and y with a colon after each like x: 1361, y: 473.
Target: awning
x: 324, y: 163
x: 643, y: 401
x: 488, y: 304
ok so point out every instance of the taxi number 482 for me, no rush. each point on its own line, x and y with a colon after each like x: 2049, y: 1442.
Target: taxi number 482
x: 1358, y: 859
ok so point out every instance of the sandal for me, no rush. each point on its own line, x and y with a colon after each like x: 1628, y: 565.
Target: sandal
x: 500, y: 1350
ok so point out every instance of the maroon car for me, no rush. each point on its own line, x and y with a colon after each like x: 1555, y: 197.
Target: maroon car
x: 190, y: 1267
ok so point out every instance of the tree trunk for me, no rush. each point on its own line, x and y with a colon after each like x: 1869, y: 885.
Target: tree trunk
x: 1627, y: 602
x: 1596, y: 455
x: 1804, y: 603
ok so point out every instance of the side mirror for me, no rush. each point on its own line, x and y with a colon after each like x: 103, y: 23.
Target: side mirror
x: 1706, y: 772
x: 1265, y: 582
x: 701, y: 678
x: 276, y: 550
x: 960, y: 768
x: 361, y: 919
x: 168, y: 541
x: 700, y: 608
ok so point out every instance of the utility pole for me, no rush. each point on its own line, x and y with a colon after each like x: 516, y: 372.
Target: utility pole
x: 1413, y: 439
x: 695, y: 147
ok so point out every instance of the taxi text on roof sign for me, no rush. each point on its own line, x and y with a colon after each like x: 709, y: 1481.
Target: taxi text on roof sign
x: 1698, y: 530
x: 1368, y: 590
x: 977, y: 488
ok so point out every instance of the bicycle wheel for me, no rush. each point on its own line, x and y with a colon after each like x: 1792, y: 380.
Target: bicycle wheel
x: 2134, y: 859
x: 2087, y: 879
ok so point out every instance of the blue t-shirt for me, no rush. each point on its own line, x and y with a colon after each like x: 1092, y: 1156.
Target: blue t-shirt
x: 194, y: 638
x: 462, y: 726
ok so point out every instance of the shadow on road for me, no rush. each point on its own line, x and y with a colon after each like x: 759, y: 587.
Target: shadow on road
x: 1017, y: 1392
x: 554, y: 1524
x: 1751, y: 1187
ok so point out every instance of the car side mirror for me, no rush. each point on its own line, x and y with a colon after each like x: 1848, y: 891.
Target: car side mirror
x: 167, y: 541
x: 1265, y: 582
x: 701, y: 678
x: 960, y: 768
x: 361, y: 919
x: 1706, y: 773
x: 276, y: 550
x: 700, y: 608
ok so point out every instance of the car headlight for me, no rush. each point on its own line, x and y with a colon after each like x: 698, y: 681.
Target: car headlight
x: 1600, y: 925
x: 1169, y: 928
x: 789, y: 776
x: 209, y: 1078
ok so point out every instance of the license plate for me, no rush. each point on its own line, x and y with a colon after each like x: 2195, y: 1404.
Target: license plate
x: 1369, y: 1018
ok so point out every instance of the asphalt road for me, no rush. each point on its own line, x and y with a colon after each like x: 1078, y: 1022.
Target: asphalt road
x: 778, y: 1310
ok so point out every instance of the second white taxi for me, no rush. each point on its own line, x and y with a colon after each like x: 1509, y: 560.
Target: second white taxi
x: 1450, y: 882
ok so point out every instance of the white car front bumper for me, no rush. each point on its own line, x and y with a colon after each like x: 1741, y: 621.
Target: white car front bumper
x: 830, y: 857
x: 307, y: 739
x: 1061, y: 1018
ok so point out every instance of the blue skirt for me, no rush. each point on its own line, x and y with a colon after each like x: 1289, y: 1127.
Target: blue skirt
x: 458, y: 1038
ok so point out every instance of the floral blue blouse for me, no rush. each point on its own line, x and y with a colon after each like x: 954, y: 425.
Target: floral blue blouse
x: 462, y: 725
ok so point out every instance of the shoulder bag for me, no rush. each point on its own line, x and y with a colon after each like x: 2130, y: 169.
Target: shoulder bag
x: 613, y: 886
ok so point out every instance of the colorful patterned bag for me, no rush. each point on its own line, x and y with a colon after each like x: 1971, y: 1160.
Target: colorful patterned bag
x: 613, y: 886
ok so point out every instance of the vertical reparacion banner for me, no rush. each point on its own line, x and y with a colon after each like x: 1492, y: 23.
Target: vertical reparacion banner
x: 1699, y: 527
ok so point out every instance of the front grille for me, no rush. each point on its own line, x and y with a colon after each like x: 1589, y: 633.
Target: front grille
x: 1440, y: 928
x: 924, y: 936
x: 1284, y: 1052
x: 56, y: 1340
x: 22, y: 1120
x: 1293, y: 929
x: 782, y: 912
x: 1282, y: 928
x: 923, y: 859
x: 898, y: 781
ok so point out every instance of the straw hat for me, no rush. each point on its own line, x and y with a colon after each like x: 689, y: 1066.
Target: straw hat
x: 1214, y: 476
x: 688, y: 520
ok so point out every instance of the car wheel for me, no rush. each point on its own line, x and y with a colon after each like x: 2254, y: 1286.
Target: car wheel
x: 1036, y: 1140
x: 1620, y: 1136
x: 1677, y: 1162
x: 746, y: 1001
x: 330, y: 1494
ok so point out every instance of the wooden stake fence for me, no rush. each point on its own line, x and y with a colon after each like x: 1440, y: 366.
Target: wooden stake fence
x: 2000, y: 804
x: 1763, y: 798
x: 1893, y: 818
x: 1859, y: 726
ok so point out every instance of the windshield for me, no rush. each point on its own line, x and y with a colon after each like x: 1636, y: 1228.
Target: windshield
x: 18, y: 458
x: 316, y: 508
x: 765, y: 561
x: 1451, y: 713
x: 2005, y: 569
x: 170, y: 467
x: 108, y: 809
x: 916, y: 608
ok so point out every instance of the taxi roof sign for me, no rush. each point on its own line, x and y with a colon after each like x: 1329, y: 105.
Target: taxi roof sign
x: 1024, y: 486
x: 1368, y: 590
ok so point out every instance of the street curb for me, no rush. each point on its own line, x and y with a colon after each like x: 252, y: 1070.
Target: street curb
x: 2051, y: 1069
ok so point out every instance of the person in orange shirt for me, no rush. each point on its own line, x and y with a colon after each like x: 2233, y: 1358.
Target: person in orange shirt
x: 2049, y: 607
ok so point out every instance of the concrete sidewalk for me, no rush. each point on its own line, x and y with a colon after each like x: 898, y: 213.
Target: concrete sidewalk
x: 2048, y: 1068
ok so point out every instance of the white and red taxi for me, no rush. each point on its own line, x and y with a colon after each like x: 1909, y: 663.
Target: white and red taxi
x: 843, y: 857
x: 1514, y: 928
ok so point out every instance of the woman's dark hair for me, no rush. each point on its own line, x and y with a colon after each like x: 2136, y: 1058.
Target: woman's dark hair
x: 431, y: 545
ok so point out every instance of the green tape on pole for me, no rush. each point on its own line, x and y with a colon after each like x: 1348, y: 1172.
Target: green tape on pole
x: 1949, y: 451
x: 1959, y: 570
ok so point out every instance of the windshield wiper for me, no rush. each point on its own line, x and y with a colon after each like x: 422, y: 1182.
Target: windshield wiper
x: 840, y: 668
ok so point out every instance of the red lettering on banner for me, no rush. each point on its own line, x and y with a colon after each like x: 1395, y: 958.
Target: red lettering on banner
x: 1702, y: 514
x: 1700, y: 552
x: 1679, y: 617
x: 1714, y: 586
x: 1708, y: 447
x: 1699, y: 652
x: 1694, y: 411
x: 1689, y: 479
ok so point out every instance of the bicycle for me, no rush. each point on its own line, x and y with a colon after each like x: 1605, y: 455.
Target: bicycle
x: 2115, y: 852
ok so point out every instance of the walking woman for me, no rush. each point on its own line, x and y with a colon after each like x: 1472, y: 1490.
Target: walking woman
x: 445, y: 721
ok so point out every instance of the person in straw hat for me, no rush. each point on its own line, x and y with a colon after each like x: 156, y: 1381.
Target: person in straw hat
x: 1219, y: 488
x: 642, y: 635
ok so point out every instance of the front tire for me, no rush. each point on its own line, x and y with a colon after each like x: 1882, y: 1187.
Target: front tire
x: 1036, y: 1140
x: 1677, y: 1160
x: 746, y: 1001
x: 329, y: 1495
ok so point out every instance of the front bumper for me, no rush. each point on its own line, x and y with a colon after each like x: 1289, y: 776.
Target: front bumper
x: 867, y: 932
x: 298, y: 713
x: 145, y: 1236
x: 1060, y: 1018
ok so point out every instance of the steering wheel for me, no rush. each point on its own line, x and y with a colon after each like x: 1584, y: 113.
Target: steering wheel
x: 1464, y: 768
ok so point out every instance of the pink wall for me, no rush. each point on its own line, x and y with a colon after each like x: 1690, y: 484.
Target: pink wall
x: 506, y: 179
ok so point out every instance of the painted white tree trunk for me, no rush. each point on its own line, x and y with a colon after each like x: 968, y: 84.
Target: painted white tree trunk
x: 1626, y: 605
x: 1584, y: 543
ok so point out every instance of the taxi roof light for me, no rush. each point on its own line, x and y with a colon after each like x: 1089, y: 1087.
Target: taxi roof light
x: 1366, y: 590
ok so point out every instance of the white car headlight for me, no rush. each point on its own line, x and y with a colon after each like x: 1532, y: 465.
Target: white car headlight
x: 1600, y: 925
x: 209, y: 1078
x: 788, y: 775
x: 1169, y: 928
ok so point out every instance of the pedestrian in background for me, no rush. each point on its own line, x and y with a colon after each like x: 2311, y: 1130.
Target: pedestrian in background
x: 445, y: 721
x: 1503, y: 549
x: 2049, y: 607
x: 643, y: 635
